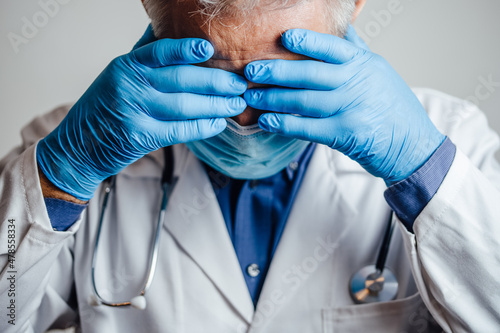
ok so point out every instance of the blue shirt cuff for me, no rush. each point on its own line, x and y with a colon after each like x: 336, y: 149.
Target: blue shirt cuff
x: 409, y: 197
x: 63, y: 214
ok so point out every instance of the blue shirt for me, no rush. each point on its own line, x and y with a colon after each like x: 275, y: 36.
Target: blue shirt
x: 255, y: 212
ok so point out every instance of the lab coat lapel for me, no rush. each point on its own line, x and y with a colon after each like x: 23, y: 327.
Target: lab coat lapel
x: 194, y: 219
x: 320, y: 218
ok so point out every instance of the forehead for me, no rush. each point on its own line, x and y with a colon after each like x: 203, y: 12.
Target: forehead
x: 243, y: 38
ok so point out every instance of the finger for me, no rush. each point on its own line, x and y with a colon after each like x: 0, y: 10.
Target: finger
x: 310, y: 103
x: 306, y: 74
x: 353, y: 37
x: 174, y: 132
x: 319, y: 46
x: 303, y: 128
x: 147, y: 38
x: 199, y: 80
x: 165, y: 52
x: 183, y: 106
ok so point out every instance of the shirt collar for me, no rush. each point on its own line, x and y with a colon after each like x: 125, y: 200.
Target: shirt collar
x: 300, y: 162
x: 290, y: 172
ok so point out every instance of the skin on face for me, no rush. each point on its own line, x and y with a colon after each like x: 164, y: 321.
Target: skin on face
x: 241, y: 39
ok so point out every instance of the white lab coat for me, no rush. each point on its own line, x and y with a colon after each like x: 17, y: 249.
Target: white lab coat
x: 450, y: 266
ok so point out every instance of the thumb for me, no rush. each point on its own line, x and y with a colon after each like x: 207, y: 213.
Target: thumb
x: 353, y: 37
x: 147, y: 38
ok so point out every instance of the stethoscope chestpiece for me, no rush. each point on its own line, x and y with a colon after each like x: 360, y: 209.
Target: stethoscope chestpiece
x: 370, y: 285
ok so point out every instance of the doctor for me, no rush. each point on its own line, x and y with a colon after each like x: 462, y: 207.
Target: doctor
x: 291, y: 149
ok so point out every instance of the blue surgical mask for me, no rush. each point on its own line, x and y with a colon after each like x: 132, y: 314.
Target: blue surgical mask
x: 247, y: 152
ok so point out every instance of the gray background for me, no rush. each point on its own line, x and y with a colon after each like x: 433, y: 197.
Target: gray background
x: 449, y: 45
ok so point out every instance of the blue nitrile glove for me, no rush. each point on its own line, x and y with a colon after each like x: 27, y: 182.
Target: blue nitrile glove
x: 351, y: 100
x: 144, y: 100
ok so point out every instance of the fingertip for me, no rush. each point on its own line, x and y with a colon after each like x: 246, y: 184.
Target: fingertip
x: 269, y: 122
x: 254, y: 70
x: 146, y: 38
x: 238, y: 105
x: 263, y: 123
x: 207, y: 128
x: 350, y: 31
x: 353, y: 37
x: 247, y: 96
x: 218, y: 124
x: 239, y: 84
x: 259, y: 71
x: 202, y: 49
x: 166, y: 51
x: 293, y: 38
x: 253, y: 96
x: 249, y: 71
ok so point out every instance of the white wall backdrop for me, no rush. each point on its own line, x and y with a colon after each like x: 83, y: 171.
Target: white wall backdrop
x: 450, y: 45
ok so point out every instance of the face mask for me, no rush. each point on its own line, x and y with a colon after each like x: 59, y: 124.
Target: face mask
x: 247, y: 152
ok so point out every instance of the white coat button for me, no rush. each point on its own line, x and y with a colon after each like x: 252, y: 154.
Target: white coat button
x: 293, y: 165
x: 253, y: 270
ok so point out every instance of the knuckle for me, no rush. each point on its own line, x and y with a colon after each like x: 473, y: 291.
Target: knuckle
x: 269, y: 98
x: 178, y: 104
x: 301, y: 100
x: 163, y: 51
x: 173, y: 135
x: 157, y: 52
x: 214, y: 83
x: 177, y: 77
x: 279, y: 70
x: 186, y: 131
x: 217, y: 103
x: 315, y: 72
x: 118, y: 63
x: 379, y: 63
x: 197, y: 129
x: 182, y: 50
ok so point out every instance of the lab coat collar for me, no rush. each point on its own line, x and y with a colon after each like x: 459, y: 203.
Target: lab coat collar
x: 195, y: 220
x: 316, y: 223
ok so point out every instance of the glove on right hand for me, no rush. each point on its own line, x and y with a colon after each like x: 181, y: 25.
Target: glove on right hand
x: 144, y: 100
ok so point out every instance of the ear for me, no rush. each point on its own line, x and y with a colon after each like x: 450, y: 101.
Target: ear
x: 359, y: 7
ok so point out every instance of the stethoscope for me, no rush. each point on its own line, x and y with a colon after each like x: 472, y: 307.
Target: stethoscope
x: 376, y: 283
x: 371, y: 284
x: 167, y: 185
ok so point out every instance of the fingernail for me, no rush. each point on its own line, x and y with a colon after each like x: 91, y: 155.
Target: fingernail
x: 293, y: 38
x: 219, y: 124
x: 268, y: 122
x: 263, y: 123
x: 240, y: 84
x: 255, y: 70
x: 237, y: 104
x: 253, y: 95
x: 203, y: 49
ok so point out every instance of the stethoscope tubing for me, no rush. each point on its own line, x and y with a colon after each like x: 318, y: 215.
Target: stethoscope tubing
x: 168, y: 183
x: 386, y: 242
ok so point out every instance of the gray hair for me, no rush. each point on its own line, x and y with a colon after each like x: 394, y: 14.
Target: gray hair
x: 338, y: 13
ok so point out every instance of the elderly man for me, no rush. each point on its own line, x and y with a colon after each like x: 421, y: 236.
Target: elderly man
x: 261, y: 160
